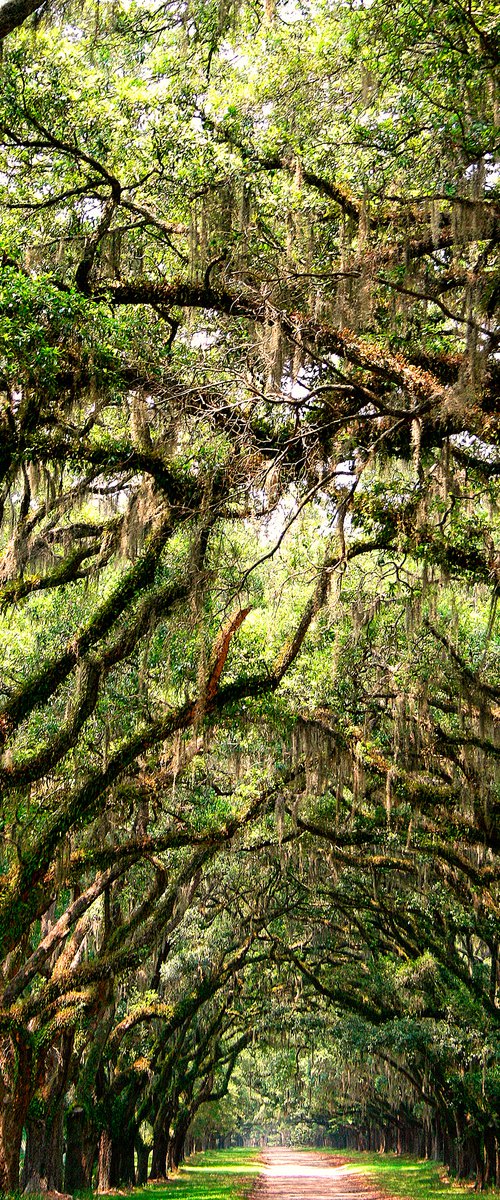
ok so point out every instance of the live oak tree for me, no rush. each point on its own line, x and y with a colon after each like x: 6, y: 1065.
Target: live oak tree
x: 249, y: 472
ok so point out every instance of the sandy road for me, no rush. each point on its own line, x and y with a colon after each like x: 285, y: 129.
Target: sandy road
x: 299, y: 1175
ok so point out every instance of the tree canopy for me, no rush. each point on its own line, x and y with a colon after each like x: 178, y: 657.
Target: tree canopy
x: 249, y: 576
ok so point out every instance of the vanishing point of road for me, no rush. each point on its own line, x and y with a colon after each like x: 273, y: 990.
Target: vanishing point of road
x: 299, y: 1175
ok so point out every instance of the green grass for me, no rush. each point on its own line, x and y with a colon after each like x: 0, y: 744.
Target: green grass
x: 230, y: 1174
x: 410, y: 1178
x: 405, y: 1177
x: 214, y: 1175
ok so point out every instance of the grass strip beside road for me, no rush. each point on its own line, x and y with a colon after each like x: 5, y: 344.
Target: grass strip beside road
x: 409, y: 1178
x: 214, y: 1175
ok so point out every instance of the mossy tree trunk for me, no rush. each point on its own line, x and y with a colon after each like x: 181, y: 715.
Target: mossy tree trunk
x: 16, y: 1087
x: 81, y: 1151
x: 43, y: 1159
x: 104, y: 1166
x: 160, y: 1151
x: 142, y: 1160
x: 122, y: 1159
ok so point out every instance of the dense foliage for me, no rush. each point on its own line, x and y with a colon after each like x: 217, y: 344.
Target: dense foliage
x: 249, y: 508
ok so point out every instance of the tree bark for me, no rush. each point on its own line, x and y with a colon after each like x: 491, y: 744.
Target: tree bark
x: 122, y: 1159
x: 491, y: 1157
x: 43, y: 1160
x: 142, y: 1161
x: 159, y: 1159
x: 16, y: 1086
x: 175, y: 1153
x: 104, y: 1168
x: 14, y: 13
x: 81, y: 1148
x: 11, y: 1129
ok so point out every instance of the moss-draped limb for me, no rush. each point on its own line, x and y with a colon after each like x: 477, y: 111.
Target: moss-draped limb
x: 68, y: 570
x: 182, y: 490
x: 418, y: 383
x: 24, y: 889
x: 130, y: 946
x: 150, y: 920
x: 430, y: 846
x: 341, y: 996
x: 13, y: 14
x: 389, y: 214
x: 59, y: 930
x: 483, y: 689
x: 120, y: 856
x: 186, y: 1008
x: 94, y: 670
x: 101, y: 857
x: 41, y: 686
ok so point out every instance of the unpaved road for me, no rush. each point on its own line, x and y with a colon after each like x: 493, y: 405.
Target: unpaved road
x: 295, y: 1175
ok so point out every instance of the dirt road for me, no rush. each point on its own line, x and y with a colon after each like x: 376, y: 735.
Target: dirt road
x: 304, y: 1175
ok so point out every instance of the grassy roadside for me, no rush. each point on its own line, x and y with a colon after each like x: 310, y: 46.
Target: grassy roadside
x: 230, y: 1175
x: 214, y: 1175
x: 409, y: 1178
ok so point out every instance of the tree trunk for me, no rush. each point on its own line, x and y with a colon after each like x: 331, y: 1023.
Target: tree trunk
x: 104, y: 1168
x: 43, y: 1160
x: 491, y: 1157
x: 11, y: 1131
x: 142, y: 1161
x: 122, y: 1160
x: 468, y: 1154
x: 81, y: 1148
x: 16, y: 1086
x: 176, y: 1144
x: 159, y: 1159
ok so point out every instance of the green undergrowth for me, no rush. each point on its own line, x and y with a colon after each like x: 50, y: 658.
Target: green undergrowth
x: 409, y: 1178
x: 214, y: 1175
